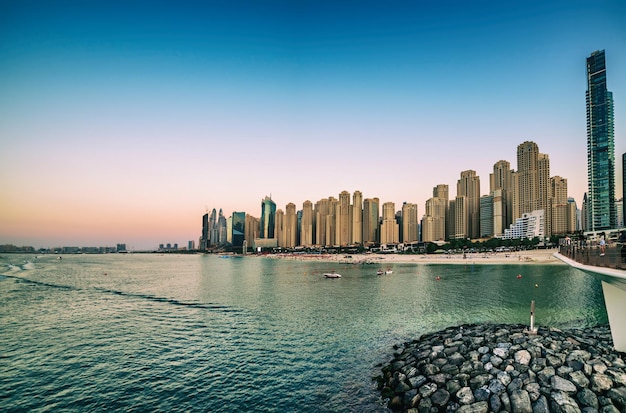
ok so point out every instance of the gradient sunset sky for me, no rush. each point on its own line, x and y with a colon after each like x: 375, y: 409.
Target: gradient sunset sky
x: 123, y: 121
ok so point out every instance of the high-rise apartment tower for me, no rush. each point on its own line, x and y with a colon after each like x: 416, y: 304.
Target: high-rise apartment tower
x: 600, y: 147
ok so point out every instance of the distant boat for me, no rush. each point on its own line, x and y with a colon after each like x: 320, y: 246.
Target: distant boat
x: 332, y: 274
x: 389, y: 271
x: 381, y: 272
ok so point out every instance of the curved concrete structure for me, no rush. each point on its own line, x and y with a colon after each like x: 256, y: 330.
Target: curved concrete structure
x: 614, y: 289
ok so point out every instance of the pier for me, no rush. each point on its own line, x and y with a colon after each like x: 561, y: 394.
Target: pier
x: 612, y: 264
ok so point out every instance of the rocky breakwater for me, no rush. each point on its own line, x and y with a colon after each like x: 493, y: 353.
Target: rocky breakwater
x: 491, y: 368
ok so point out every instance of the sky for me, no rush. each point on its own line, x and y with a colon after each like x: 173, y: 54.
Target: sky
x: 125, y: 121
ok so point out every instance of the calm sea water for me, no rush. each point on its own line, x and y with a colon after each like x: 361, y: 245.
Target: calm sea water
x: 202, y: 333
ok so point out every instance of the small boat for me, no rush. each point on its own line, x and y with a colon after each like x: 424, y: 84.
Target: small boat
x: 389, y: 271
x: 332, y: 274
x: 380, y: 272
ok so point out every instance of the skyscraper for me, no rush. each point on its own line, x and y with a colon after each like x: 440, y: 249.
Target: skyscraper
x: 371, y: 208
x: 357, y: 218
x: 268, y: 215
x: 531, y: 184
x: 306, y: 230
x: 410, y: 224
x: 600, y: 147
x: 624, y: 185
x: 468, y: 186
x: 389, y: 230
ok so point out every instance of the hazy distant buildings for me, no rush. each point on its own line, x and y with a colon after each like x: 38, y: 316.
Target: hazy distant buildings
x: 600, y: 147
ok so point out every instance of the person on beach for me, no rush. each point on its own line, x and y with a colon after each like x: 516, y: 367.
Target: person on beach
x: 602, y: 245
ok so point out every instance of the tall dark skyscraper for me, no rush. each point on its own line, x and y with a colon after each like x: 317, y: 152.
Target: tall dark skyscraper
x: 268, y: 216
x: 624, y: 186
x: 600, y: 147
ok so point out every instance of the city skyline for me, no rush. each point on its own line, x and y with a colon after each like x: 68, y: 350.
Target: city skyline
x: 126, y: 125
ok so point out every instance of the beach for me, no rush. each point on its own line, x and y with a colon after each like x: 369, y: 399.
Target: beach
x: 542, y: 256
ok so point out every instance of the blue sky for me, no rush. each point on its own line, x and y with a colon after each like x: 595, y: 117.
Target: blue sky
x: 124, y: 121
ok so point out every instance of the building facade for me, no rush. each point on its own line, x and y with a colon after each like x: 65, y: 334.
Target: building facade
x: 600, y: 146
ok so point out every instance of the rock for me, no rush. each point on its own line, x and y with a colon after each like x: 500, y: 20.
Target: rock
x: 439, y: 379
x: 481, y: 368
x: 545, y: 375
x: 506, y: 402
x: 480, y: 380
x: 516, y: 384
x: 480, y: 407
x: 504, y: 378
x: 495, y: 404
x: 581, y: 355
x: 600, y: 382
x: 427, y: 389
x: 520, y: 402
x: 496, y: 387
x: 402, y: 387
x: 496, y: 361
x: 429, y: 369
x: 579, y: 379
x: 439, y: 362
x: 562, y: 403
x: 555, y: 360
x: 465, y: 396
x: 587, y: 398
x: 522, y: 357
x: 618, y: 377
x: 481, y: 394
x: 456, y: 359
x: 560, y: 384
x: 534, y: 391
x: 501, y: 352
x: 395, y: 403
x: 541, y: 405
x: 618, y: 397
x: 576, y: 365
x: 417, y: 381
x: 424, y: 405
x: 483, y: 350
x: 453, y: 386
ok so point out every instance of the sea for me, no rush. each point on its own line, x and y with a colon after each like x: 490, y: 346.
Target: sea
x: 208, y: 333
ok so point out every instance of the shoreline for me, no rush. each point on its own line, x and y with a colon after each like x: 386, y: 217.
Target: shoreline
x: 543, y: 257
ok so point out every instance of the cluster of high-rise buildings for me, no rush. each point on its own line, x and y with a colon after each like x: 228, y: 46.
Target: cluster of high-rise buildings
x: 525, y: 202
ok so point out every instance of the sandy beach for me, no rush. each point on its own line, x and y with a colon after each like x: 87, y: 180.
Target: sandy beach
x: 542, y: 257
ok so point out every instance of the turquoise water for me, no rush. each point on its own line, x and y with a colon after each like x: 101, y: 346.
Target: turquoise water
x: 208, y: 334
